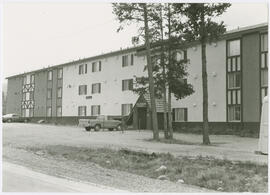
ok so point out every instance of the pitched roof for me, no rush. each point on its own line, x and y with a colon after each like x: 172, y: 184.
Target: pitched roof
x: 159, y: 102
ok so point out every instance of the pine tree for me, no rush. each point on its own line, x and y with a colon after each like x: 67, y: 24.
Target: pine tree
x: 200, y: 26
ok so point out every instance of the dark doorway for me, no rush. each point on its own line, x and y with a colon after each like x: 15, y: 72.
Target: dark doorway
x: 142, y: 117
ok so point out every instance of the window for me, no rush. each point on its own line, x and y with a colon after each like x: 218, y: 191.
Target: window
x: 96, y: 66
x: 32, y: 79
x: 82, y: 111
x: 127, y: 84
x: 95, y: 110
x: 126, y: 108
x: 234, y: 80
x: 180, y: 114
x: 60, y: 73
x: 264, y: 78
x: 264, y: 42
x: 49, y: 111
x: 49, y: 75
x: 82, y: 89
x: 131, y: 59
x: 234, y: 113
x: 24, y: 80
x: 49, y: 93
x: 126, y: 61
x: 180, y: 55
x: 264, y: 57
x: 59, y: 111
x: 59, y: 92
x: 234, y: 48
x: 234, y: 97
x: 31, y: 95
x: 96, y: 88
x: 23, y: 112
x: 264, y: 65
x: 263, y: 92
x: 31, y: 112
x: 83, y: 69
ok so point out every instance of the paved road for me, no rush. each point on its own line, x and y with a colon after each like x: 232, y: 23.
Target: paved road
x: 20, y: 179
x: 224, y: 146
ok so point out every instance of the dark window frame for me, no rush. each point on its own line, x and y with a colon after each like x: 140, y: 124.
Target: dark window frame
x: 234, y: 90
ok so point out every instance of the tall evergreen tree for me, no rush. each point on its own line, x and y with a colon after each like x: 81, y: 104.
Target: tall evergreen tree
x: 200, y: 26
x: 138, y: 12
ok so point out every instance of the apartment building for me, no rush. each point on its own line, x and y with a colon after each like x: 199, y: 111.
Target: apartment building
x: 237, y: 67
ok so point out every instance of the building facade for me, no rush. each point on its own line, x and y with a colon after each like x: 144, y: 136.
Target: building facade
x: 237, y: 68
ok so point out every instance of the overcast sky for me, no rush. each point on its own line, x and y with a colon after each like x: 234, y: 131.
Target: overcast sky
x: 36, y: 35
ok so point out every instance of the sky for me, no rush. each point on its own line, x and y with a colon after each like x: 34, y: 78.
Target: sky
x: 37, y: 35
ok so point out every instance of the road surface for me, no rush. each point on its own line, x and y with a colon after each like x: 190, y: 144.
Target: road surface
x: 20, y: 179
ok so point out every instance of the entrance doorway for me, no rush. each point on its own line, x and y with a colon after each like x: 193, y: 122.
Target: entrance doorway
x: 142, y: 117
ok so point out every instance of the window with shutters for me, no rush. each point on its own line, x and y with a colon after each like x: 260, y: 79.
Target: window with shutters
x: 83, y: 69
x: 234, y: 72
x: 82, y: 111
x: 96, y: 66
x: 127, y: 60
x: 127, y: 84
x: 96, y: 88
x: 126, y: 108
x: 180, y: 114
x: 95, y: 110
x: 82, y: 89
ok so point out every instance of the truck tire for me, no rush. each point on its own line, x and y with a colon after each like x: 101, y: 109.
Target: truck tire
x: 87, y: 128
x: 9, y: 120
x: 97, y: 127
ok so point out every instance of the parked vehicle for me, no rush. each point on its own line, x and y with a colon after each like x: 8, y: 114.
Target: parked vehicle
x: 101, y: 122
x: 14, y: 118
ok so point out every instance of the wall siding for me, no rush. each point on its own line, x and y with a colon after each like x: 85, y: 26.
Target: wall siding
x: 14, y: 95
x: 40, y: 94
x: 251, y: 78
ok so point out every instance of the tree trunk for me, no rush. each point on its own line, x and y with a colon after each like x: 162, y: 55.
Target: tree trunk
x: 169, y: 63
x: 150, y: 76
x: 206, y: 140
x: 166, y: 135
x: 170, y: 114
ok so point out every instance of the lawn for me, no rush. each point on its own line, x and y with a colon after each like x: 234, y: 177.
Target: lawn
x: 207, y: 172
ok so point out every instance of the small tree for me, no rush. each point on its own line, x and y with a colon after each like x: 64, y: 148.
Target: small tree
x: 200, y: 26
x: 138, y: 12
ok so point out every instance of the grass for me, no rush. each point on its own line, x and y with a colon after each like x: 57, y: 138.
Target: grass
x: 207, y: 172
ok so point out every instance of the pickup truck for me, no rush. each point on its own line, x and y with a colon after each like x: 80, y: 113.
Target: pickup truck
x: 101, y: 122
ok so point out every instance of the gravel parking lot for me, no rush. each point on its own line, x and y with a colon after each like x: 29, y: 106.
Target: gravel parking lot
x: 224, y: 146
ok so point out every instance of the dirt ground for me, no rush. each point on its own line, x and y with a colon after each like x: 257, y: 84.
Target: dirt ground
x: 223, y: 146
